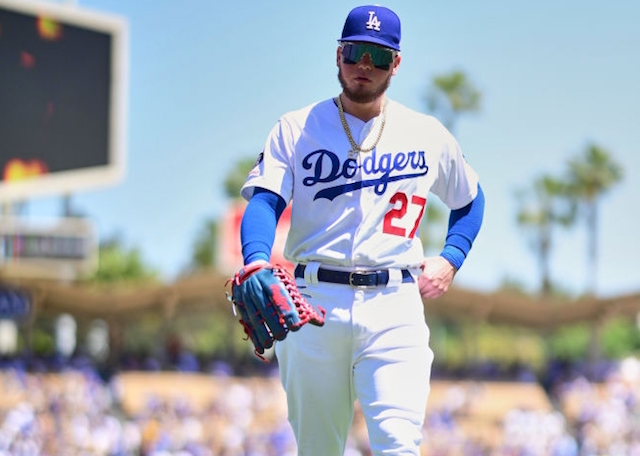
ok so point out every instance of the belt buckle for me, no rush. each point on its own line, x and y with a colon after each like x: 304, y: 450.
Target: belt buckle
x: 362, y: 273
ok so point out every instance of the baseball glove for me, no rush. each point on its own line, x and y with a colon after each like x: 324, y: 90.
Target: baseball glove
x: 270, y: 304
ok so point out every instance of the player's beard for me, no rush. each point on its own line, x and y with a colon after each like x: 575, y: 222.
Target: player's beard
x: 362, y: 94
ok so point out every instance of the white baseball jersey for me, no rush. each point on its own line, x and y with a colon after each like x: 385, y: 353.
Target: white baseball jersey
x: 362, y: 211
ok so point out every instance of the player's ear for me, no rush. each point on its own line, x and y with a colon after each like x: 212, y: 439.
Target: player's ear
x: 338, y: 56
x: 396, y: 64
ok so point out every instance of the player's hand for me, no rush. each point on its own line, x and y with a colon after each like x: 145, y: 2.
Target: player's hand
x: 269, y: 304
x: 437, y: 274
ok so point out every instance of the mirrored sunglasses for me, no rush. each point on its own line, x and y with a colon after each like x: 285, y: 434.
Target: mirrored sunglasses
x: 380, y: 57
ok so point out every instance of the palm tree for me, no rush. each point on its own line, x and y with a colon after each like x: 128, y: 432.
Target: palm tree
x: 590, y: 176
x: 543, y: 207
x: 451, y: 95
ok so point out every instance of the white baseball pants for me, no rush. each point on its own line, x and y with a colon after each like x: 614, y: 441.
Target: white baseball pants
x: 374, y: 347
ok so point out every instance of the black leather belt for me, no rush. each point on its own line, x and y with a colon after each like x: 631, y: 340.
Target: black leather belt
x: 376, y: 278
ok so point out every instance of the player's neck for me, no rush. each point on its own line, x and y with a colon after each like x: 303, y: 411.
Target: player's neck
x: 363, y: 111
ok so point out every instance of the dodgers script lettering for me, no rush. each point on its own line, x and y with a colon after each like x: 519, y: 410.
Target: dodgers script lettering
x: 326, y: 167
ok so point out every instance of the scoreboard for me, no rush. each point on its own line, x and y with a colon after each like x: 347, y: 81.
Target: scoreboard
x: 63, y: 93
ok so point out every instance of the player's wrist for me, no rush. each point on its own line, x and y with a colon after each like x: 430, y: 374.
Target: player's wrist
x: 453, y: 255
x: 255, y: 257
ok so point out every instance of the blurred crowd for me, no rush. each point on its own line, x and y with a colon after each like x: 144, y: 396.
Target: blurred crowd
x: 75, y: 412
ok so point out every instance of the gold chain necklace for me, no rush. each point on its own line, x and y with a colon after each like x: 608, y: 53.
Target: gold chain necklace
x: 355, y: 148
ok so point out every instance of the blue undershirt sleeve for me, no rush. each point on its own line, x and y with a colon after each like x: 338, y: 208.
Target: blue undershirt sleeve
x: 258, y: 226
x: 464, y: 225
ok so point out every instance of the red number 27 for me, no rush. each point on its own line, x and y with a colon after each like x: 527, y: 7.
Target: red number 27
x: 401, y: 212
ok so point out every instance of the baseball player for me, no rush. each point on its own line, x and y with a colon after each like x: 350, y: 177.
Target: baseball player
x: 358, y: 170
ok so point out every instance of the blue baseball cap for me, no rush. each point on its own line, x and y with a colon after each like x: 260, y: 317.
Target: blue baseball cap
x: 373, y: 24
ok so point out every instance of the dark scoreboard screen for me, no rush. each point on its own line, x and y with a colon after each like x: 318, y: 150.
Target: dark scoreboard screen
x: 60, y: 95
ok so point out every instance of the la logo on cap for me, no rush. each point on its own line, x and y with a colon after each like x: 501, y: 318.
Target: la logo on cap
x: 364, y: 24
x: 373, y: 23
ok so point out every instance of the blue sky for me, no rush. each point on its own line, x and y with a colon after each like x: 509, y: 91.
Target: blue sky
x: 208, y: 79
